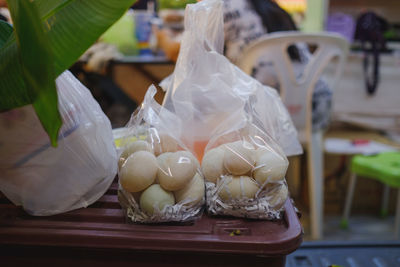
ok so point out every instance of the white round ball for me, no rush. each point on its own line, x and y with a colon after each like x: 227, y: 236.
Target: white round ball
x: 239, y: 187
x: 162, y: 143
x: 139, y: 171
x: 190, y: 155
x: 278, y: 197
x: 269, y: 166
x: 238, y: 157
x: 169, y: 144
x: 193, y: 191
x: 155, y: 196
x: 138, y: 145
x: 212, y: 164
x: 180, y: 169
x: 162, y: 164
x: 162, y: 159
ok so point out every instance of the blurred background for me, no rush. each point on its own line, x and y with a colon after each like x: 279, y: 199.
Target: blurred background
x: 128, y: 58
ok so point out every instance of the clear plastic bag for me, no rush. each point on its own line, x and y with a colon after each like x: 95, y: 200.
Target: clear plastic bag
x: 47, y: 180
x: 245, y: 172
x: 209, y: 94
x: 160, y: 180
x: 241, y: 125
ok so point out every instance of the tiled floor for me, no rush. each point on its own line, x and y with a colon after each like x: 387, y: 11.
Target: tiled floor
x: 361, y: 228
x: 369, y: 241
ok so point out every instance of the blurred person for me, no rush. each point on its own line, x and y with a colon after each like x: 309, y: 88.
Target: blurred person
x: 244, y: 22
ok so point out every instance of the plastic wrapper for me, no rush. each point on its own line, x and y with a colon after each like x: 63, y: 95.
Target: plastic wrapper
x: 207, y: 90
x: 245, y: 172
x: 46, y: 180
x: 240, y: 126
x: 159, y: 179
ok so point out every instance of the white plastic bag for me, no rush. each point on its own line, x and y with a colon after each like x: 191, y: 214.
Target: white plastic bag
x: 208, y: 93
x: 47, y: 180
x: 245, y: 172
x: 160, y: 180
x: 242, y: 126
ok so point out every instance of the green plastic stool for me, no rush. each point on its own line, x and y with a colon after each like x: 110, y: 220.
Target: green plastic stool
x: 384, y: 167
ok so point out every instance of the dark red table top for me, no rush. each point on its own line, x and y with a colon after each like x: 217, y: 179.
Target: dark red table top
x: 103, y: 226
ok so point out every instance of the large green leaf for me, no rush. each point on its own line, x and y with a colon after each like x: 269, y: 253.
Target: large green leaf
x: 37, y: 64
x: 5, y: 32
x: 48, y: 7
x: 71, y: 26
x: 13, y: 92
x: 77, y: 24
x: 10, y: 64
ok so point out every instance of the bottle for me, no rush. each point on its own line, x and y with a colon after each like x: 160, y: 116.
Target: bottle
x: 143, y: 28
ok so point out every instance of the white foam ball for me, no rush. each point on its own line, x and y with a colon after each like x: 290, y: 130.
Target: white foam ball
x: 138, y: 145
x: 155, y: 196
x: 139, y: 171
x: 212, y: 164
x: 238, y: 157
x: 278, y: 197
x: 239, y: 187
x: 180, y: 169
x: 193, y: 191
x: 269, y: 165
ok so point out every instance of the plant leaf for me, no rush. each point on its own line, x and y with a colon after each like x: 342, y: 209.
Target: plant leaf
x: 10, y: 64
x: 77, y: 24
x: 48, y: 7
x: 13, y: 92
x: 71, y: 26
x: 37, y: 64
x: 5, y: 32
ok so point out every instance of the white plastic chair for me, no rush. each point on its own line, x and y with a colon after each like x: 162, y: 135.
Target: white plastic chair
x: 297, y: 96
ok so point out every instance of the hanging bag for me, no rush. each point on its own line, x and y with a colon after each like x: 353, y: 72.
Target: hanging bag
x: 370, y: 29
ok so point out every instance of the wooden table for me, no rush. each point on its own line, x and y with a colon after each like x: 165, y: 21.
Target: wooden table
x: 134, y: 74
x: 100, y: 236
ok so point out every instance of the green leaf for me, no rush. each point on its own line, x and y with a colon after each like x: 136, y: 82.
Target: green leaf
x: 13, y: 91
x: 48, y: 7
x: 10, y: 64
x: 71, y: 26
x: 77, y: 24
x: 5, y: 32
x: 37, y: 64
x: 174, y: 4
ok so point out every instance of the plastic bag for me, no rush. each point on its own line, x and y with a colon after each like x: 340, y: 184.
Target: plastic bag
x: 160, y: 181
x: 206, y: 90
x: 245, y: 174
x: 243, y: 126
x: 47, y: 180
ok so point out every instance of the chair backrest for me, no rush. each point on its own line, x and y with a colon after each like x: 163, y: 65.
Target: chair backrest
x: 296, y: 93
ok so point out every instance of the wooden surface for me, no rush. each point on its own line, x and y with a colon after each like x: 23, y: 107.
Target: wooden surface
x: 134, y: 79
x: 100, y: 234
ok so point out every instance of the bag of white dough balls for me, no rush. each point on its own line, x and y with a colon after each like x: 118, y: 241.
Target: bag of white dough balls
x: 244, y: 171
x: 159, y: 180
